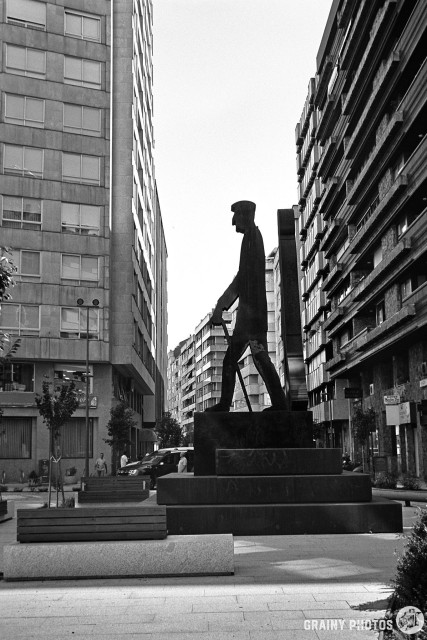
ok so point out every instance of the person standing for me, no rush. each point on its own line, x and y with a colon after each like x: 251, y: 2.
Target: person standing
x: 123, y: 460
x: 182, y: 464
x: 101, y: 466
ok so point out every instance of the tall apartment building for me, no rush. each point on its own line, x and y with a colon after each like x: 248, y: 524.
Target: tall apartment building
x: 361, y: 150
x: 79, y: 208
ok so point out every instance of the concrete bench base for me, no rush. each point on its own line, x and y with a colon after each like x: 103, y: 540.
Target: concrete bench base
x: 176, y: 556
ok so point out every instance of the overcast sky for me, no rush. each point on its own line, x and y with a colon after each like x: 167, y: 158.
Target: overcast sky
x: 230, y: 81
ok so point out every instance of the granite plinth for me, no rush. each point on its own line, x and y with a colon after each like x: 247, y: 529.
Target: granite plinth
x: 178, y: 488
x: 378, y: 516
x: 186, y: 555
x: 245, y: 430
x: 264, y: 462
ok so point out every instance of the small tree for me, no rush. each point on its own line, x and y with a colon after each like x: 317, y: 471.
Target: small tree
x: 168, y: 431
x: 7, y: 269
x: 56, y: 407
x: 118, y: 428
x: 363, y: 424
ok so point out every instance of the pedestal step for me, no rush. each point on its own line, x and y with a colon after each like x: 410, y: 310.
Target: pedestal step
x: 178, y: 488
x: 378, y: 516
x: 282, y: 462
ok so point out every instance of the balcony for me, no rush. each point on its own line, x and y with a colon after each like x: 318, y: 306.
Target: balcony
x: 314, y: 344
x: 332, y: 229
x: 314, y: 308
x: 382, y: 20
x: 368, y: 171
x: 369, y: 220
x: 406, y: 313
x: 317, y: 378
x: 383, y: 75
x: 333, y: 362
x: 357, y: 30
x: 328, y: 195
x: 333, y: 317
x: 322, y: 80
x: 327, y: 154
x: 333, y: 276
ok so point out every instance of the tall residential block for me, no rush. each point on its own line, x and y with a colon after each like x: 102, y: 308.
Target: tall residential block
x: 362, y: 178
x: 80, y: 210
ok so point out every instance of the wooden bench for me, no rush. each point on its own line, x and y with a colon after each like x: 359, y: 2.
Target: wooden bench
x: 114, y: 489
x: 90, y: 524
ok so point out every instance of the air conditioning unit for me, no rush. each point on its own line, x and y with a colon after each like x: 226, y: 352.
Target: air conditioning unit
x: 371, y: 389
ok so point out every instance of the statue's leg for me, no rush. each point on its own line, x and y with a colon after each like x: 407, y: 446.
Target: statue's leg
x: 268, y: 372
x: 236, y: 348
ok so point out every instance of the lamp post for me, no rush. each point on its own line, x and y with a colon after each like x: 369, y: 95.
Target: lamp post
x: 81, y: 303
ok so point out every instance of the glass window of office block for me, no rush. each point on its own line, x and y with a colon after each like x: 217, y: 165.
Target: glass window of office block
x: 79, y: 268
x: 16, y: 376
x: 83, y: 120
x: 64, y: 373
x: 82, y: 25
x: 23, y: 161
x: 27, y: 264
x: 81, y: 72
x: 26, y: 13
x: 73, y: 438
x: 81, y: 169
x: 74, y: 323
x: 84, y: 219
x: 25, y: 62
x: 20, y: 319
x: 22, y: 213
x: 15, y: 438
x: 24, y: 110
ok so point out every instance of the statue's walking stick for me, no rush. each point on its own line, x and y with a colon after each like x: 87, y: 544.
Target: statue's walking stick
x: 239, y: 373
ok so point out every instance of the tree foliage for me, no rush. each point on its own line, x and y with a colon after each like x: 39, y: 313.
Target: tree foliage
x: 8, y: 347
x: 56, y: 407
x: 363, y: 423
x: 118, y: 429
x: 168, y: 431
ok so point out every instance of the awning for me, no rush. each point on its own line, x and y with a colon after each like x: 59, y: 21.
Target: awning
x: 147, y: 435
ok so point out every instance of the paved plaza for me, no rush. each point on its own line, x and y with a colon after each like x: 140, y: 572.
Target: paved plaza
x: 284, y: 587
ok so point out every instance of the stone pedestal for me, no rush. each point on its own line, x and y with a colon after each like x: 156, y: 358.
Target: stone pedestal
x: 258, y: 474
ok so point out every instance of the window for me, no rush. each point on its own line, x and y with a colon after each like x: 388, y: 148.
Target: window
x: 380, y: 312
x: 80, y: 218
x: 22, y: 213
x: 84, y: 73
x: 80, y: 168
x: 26, y: 13
x: 20, y: 319
x: 15, y: 438
x: 24, y: 111
x: 74, y: 323
x: 28, y: 265
x: 402, y: 226
x: 82, y: 25
x: 378, y: 255
x: 16, y: 376
x: 73, y: 438
x: 83, y: 120
x: 23, y: 161
x: 25, y: 62
x: 79, y: 268
x: 65, y: 373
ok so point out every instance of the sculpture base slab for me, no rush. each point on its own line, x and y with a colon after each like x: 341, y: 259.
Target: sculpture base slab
x: 378, y: 516
x: 246, y: 430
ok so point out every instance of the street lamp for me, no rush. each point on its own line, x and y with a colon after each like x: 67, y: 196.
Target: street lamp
x: 81, y: 303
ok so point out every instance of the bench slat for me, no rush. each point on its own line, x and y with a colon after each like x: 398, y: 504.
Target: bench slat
x: 46, y: 522
x: 97, y: 512
x: 86, y: 528
x: 95, y: 537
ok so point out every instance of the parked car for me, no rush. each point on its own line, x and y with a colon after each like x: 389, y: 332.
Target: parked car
x: 159, y: 463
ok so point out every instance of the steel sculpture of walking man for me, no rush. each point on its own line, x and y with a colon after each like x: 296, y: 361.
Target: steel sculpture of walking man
x: 251, y: 321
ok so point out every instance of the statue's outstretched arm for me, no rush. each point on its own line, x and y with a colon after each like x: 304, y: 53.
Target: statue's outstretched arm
x: 225, y: 301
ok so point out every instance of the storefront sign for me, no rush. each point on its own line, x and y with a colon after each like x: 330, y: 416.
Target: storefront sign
x: 352, y: 392
x: 423, y: 382
x: 93, y: 401
x: 391, y: 399
x: 407, y: 412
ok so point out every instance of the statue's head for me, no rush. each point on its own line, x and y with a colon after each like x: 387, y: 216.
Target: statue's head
x: 244, y: 215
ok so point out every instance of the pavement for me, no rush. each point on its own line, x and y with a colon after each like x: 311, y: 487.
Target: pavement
x: 313, y: 587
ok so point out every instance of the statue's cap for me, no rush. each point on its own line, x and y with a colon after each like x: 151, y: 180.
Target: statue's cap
x: 243, y: 206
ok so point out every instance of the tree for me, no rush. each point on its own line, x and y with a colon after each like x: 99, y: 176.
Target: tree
x: 118, y: 428
x: 56, y: 407
x: 168, y: 431
x: 7, y: 269
x: 364, y: 423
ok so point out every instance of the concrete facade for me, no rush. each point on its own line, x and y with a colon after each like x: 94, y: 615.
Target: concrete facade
x: 79, y: 208
x: 362, y: 223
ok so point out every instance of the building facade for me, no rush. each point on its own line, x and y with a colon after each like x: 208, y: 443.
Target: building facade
x: 361, y: 149
x: 79, y: 209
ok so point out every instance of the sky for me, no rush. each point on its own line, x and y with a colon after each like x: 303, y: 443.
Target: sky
x: 230, y: 81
